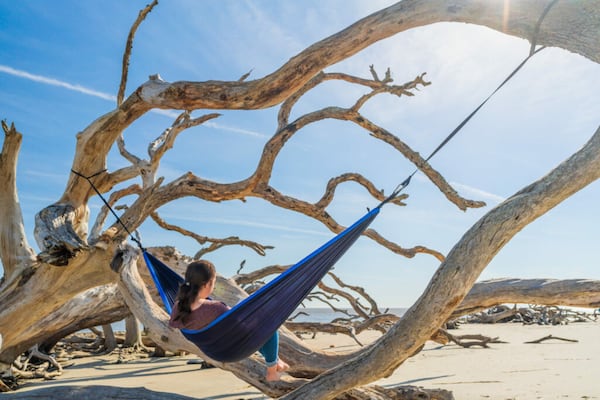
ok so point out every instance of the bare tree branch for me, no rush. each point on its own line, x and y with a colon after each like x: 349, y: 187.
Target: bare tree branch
x: 128, y: 47
x: 374, y: 310
x: 15, y: 252
x: 214, y: 243
x: 96, y: 230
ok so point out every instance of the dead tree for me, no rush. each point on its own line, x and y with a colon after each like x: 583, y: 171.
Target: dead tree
x: 74, y: 258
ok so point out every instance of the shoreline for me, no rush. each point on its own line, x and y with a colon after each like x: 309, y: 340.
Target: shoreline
x: 553, y: 369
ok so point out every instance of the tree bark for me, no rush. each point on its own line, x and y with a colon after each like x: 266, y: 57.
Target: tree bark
x: 133, y: 334
x: 18, y: 258
x: 110, y: 341
x: 94, y: 307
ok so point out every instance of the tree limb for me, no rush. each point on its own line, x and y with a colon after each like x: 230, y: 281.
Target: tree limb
x: 128, y: 47
x: 556, y: 31
x: 214, y: 243
x: 15, y: 252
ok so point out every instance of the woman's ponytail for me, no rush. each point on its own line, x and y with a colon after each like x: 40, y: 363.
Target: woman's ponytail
x: 197, y: 275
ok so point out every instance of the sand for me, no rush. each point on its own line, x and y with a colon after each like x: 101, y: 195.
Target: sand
x: 553, y: 369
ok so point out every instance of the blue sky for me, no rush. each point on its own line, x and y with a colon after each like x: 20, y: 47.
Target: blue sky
x: 60, y: 67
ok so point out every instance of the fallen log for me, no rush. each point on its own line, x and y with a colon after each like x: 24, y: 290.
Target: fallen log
x: 467, y: 341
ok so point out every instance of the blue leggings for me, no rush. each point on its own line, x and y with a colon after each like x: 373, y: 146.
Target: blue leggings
x: 270, y: 350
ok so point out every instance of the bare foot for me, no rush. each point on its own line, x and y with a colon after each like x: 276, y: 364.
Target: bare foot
x: 282, y: 366
x: 272, y: 374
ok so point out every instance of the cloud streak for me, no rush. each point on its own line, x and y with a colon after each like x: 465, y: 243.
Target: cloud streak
x: 479, y: 192
x: 469, y: 190
x: 238, y: 222
x: 55, y: 82
x: 236, y: 130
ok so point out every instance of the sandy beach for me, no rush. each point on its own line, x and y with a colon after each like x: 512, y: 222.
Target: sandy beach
x: 553, y: 369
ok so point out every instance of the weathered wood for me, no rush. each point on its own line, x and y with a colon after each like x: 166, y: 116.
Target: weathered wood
x: 127, y: 53
x: 492, y: 318
x: 35, y: 352
x: 309, y: 327
x: 566, y: 292
x: 552, y: 337
x: 467, y: 341
x: 81, y: 309
x: 557, y: 30
x: 18, y: 258
x: 110, y: 341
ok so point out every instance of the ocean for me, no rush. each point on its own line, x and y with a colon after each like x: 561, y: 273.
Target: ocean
x: 321, y: 315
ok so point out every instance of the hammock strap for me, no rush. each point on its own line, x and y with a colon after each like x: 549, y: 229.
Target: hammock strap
x: 464, y: 122
x: 89, y: 179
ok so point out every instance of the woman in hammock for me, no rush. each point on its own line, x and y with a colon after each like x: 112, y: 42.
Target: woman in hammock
x: 194, y: 309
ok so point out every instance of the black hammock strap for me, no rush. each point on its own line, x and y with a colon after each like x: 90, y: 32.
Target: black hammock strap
x: 89, y: 179
x: 444, y: 142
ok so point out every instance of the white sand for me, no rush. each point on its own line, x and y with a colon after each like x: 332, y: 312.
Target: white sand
x: 551, y: 370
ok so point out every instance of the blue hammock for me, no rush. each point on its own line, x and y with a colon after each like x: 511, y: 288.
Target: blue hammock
x: 243, y: 329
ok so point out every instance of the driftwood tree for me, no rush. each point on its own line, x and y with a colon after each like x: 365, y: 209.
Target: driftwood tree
x: 73, y: 270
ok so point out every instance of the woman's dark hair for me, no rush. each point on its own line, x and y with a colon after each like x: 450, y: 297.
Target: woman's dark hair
x: 197, y: 274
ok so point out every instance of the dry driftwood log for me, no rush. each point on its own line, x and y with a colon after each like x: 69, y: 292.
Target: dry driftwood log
x: 549, y: 337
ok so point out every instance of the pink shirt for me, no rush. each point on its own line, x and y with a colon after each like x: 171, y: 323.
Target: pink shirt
x: 208, y: 311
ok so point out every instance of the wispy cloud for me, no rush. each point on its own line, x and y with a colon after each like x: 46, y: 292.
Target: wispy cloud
x: 55, y: 82
x: 478, y: 192
x: 236, y: 130
x: 30, y: 199
x: 239, y: 222
x: 167, y: 113
x: 44, y: 174
x: 469, y: 190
